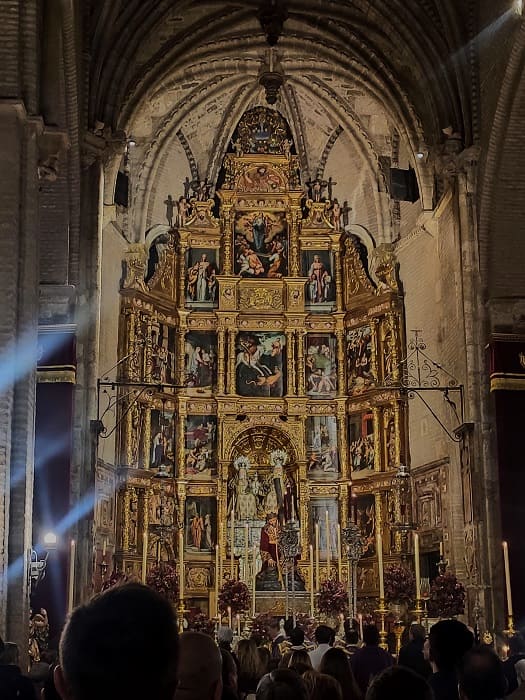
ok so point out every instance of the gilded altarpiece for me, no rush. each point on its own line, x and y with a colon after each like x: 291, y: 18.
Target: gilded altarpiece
x: 262, y: 344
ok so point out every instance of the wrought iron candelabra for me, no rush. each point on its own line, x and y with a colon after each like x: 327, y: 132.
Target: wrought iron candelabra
x: 289, y: 549
x: 355, y: 546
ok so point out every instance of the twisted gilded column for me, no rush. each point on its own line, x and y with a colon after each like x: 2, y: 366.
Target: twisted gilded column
x: 231, y: 361
x: 300, y: 363
x: 227, y: 262
x: 181, y: 457
x: 183, y: 247
x: 290, y: 354
x: 146, y: 438
x: 221, y: 359
x: 295, y: 263
x: 340, y: 337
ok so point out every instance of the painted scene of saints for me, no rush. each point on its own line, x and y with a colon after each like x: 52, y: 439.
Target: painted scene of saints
x: 200, y: 527
x: 359, y: 359
x: 320, y: 288
x: 200, y: 447
x: 201, y: 277
x: 321, y: 369
x: 200, y: 361
x: 361, y: 442
x: 260, y: 366
x: 161, y: 448
x: 365, y: 510
x: 261, y: 245
x: 321, y: 448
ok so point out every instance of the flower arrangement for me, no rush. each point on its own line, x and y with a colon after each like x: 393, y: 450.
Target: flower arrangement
x: 333, y: 598
x: 164, y: 579
x: 200, y: 622
x: 400, y: 584
x: 447, y: 596
x: 307, y: 624
x: 234, y: 595
x: 116, y: 579
x: 260, y: 626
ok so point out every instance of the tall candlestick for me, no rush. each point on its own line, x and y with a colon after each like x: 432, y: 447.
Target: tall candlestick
x: 229, y: 616
x: 360, y: 618
x: 216, y: 579
x: 104, y: 546
x: 232, y: 554
x: 379, y: 541
x: 507, y: 578
x: 440, y: 550
x: 312, y: 607
x: 253, y: 579
x: 246, y: 545
x: 71, y: 582
x: 339, y: 558
x: 181, y: 563
x: 327, y: 525
x: 317, y: 570
x: 238, y: 620
x: 416, y: 566
x: 144, y: 555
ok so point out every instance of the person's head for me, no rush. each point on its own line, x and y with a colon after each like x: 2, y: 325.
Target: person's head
x: 249, y: 659
x: 229, y: 670
x: 297, y: 637
x: 10, y: 655
x: 399, y: 682
x: 225, y: 636
x: 299, y: 658
x: 481, y: 675
x: 520, y: 671
x: 323, y: 634
x: 282, y: 684
x: 417, y: 633
x: 273, y: 627
x: 516, y: 644
x: 121, y: 644
x: 449, y: 640
x: 351, y: 632
x: 321, y: 686
x: 335, y: 663
x: 371, y: 635
x: 200, y: 668
x: 264, y: 656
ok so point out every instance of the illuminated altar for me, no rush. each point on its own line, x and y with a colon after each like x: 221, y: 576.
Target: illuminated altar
x: 258, y: 383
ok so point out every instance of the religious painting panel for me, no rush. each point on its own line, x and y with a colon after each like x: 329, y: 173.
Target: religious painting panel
x: 321, y: 448
x: 365, y: 518
x: 201, y: 278
x: 200, y: 447
x: 163, y: 346
x: 261, y: 245
x: 324, y: 517
x: 261, y: 178
x: 260, y: 368
x: 318, y: 267
x: 162, y: 442
x: 200, y: 358
x: 359, y: 359
x: 321, y: 367
x: 361, y: 445
x: 200, y: 526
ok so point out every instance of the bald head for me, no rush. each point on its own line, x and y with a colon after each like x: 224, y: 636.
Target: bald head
x: 200, y: 668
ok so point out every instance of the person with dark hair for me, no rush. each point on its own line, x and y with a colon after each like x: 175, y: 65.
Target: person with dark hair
x: 297, y: 639
x: 321, y: 686
x: 13, y: 685
x: 324, y: 637
x: 229, y: 676
x: 250, y: 667
x: 449, y: 641
x: 350, y: 643
x: 276, y: 638
x: 121, y: 645
x: 299, y: 661
x: 411, y: 655
x: 370, y: 660
x: 516, y: 653
x: 399, y: 682
x: 265, y: 657
x: 335, y: 663
x: 200, y: 668
x: 282, y: 684
x: 481, y: 675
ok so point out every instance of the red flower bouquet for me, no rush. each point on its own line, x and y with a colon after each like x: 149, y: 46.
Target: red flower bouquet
x: 164, y: 579
x: 447, y: 596
x: 333, y: 598
x: 400, y: 584
x: 234, y: 595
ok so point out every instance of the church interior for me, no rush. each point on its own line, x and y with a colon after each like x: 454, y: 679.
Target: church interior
x: 264, y: 306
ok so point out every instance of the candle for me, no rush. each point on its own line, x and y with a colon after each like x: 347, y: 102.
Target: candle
x: 144, y: 555
x: 232, y: 528
x: 317, y: 572
x: 246, y: 545
x: 312, y: 607
x: 181, y: 563
x: 229, y: 616
x: 379, y: 541
x: 507, y: 578
x: 253, y: 579
x: 327, y: 525
x: 217, y: 578
x: 416, y: 566
x: 221, y: 573
x: 238, y: 618
x: 104, y: 547
x: 71, y: 582
x: 339, y: 558
x: 360, y: 618
x: 441, y: 550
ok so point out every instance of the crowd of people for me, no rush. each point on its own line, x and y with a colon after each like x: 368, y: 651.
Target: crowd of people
x: 124, y: 645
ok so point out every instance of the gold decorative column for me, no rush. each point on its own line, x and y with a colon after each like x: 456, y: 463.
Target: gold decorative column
x: 146, y: 437
x: 295, y: 265
x: 231, y: 361
x: 344, y: 461
x: 221, y: 369
x: 181, y: 457
x: 377, y: 440
x: 340, y: 336
x: 397, y: 428
x: 181, y: 292
x: 291, y: 384
x: 300, y: 363
x: 227, y: 264
x: 180, y: 368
